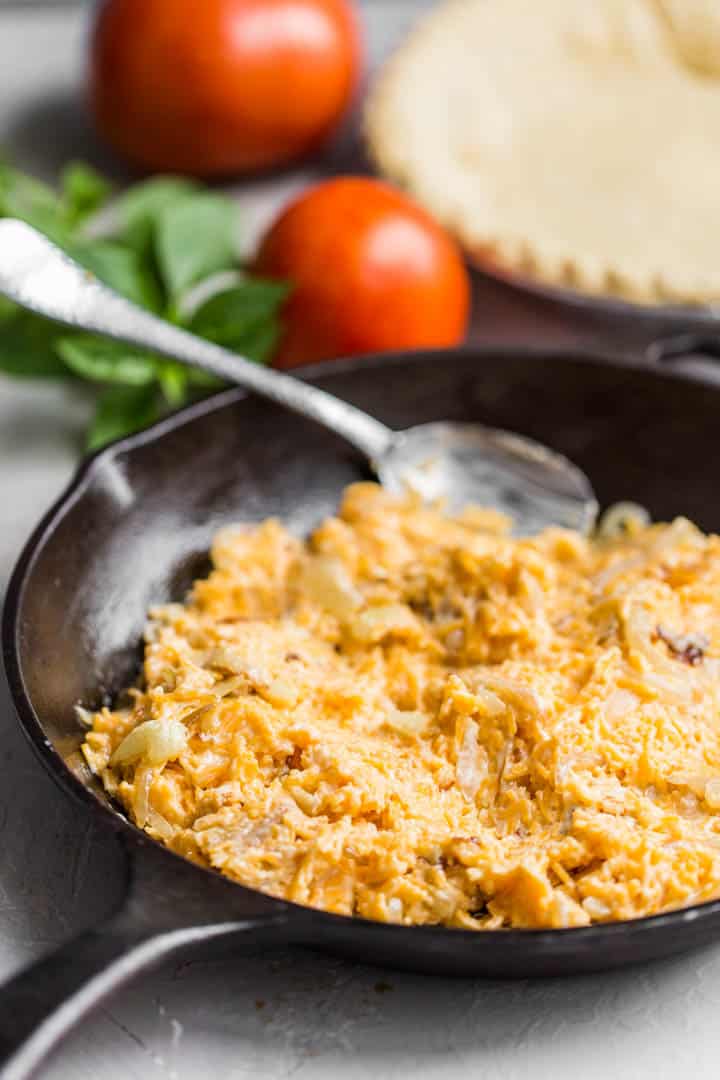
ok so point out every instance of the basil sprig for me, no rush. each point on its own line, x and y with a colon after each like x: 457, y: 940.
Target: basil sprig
x: 156, y: 244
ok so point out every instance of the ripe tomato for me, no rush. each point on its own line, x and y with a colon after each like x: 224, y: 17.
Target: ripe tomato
x: 212, y: 87
x: 370, y: 271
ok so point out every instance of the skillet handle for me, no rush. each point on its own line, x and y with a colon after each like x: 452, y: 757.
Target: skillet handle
x: 169, y: 905
x: 41, y: 1004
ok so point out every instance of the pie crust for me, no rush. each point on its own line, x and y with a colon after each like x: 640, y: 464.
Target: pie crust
x: 573, y: 142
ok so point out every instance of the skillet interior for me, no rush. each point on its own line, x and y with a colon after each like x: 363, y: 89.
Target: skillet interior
x: 135, y: 527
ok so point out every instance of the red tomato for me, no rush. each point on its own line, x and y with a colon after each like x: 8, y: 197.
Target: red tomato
x: 212, y: 87
x: 370, y: 271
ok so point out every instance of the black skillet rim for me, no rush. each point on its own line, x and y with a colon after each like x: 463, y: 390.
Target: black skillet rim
x: 589, y: 936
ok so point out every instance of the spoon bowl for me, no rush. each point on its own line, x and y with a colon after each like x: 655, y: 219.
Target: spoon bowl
x: 465, y: 464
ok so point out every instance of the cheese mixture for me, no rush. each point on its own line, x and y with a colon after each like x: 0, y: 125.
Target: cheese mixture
x: 420, y: 719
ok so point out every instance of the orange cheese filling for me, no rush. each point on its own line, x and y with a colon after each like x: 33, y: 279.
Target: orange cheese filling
x: 421, y: 719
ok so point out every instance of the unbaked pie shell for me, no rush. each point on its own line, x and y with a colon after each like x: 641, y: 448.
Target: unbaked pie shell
x: 572, y: 142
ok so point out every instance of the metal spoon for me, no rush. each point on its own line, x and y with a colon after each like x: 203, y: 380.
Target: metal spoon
x: 461, y: 462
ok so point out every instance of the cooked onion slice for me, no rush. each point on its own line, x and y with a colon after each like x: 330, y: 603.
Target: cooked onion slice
x: 327, y: 583
x: 621, y: 519
x: 155, y: 742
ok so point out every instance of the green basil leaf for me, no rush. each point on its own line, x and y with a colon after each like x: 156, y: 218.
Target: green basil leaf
x: 7, y: 309
x: 193, y: 239
x: 229, y: 316
x: 27, y: 347
x: 103, y: 360
x: 24, y: 197
x: 260, y: 342
x: 120, y: 411
x: 204, y: 380
x: 120, y: 268
x: 174, y: 382
x: 138, y: 208
x: 84, y: 190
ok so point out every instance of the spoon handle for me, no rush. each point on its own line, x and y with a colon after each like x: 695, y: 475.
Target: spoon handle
x: 36, y: 274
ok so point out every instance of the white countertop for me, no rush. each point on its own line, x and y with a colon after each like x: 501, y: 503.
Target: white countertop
x: 296, y: 1014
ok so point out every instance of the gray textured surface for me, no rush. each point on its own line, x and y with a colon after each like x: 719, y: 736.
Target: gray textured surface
x: 295, y: 1014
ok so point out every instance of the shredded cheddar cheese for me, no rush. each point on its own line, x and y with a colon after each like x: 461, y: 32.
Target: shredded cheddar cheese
x: 420, y: 719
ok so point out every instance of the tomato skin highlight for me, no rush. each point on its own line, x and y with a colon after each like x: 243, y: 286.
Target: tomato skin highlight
x: 221, y: 87
x: 370, y: 272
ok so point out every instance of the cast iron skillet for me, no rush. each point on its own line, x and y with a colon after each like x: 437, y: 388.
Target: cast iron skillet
x: 133, y: 529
